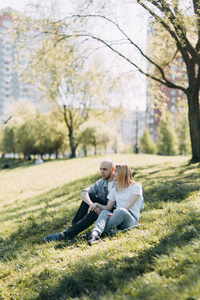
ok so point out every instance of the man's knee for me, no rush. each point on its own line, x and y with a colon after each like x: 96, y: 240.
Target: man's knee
x: 94, y: 198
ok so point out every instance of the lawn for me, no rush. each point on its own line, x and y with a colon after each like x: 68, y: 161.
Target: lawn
x: 158, y: 260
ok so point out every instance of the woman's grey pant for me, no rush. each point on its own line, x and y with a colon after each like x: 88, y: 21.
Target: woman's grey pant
x: 121, y: 219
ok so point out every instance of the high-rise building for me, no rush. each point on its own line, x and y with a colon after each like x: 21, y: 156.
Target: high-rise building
x: 173, y: 100
x: 11, y: 86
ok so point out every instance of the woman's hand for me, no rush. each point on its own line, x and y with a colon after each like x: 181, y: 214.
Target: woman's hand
x: 97, y: 210
x: 92, y: 207
x: 110, y: 216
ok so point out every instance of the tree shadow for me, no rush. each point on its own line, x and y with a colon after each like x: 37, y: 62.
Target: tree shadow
x: 176, y: 187
x: 32, y: 225
x: 88, y: 280
x: 157, y: 196
x: 73, y: 189
x: 10, y: 164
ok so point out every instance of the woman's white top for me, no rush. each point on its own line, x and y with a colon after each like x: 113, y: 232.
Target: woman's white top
x: 122, y: 197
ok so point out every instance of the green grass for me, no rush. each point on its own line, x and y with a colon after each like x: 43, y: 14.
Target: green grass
x: 159, y: 260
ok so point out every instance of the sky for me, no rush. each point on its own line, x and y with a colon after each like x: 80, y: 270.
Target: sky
x: 136, y: 96
x: 16, y: 4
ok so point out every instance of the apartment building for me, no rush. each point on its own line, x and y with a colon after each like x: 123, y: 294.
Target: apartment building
x: 11, y: 86
x: 173, y: 100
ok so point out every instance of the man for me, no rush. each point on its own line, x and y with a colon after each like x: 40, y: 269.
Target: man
x: 95, y: 193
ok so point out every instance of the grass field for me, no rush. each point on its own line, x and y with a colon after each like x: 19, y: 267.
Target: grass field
x: 158, y: 260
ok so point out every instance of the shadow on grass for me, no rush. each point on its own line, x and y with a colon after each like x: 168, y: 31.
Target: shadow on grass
x: 174, y: 191
x: 89, y: 280
x: 176, y: 187
x: 32, y: 225
x: 70, y: 192
x: 10, y: 164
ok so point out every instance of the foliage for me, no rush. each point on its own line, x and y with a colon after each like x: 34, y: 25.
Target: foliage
x: 1, y: 140
x: 167, y: 142
x: 77, y: 90
x: 157, y: 260
x: 87, y: 138
x: 9, y: 145
x: 31, y: 132
x: 95, y: 133
x: 179, y: 38
x: 147, y: 145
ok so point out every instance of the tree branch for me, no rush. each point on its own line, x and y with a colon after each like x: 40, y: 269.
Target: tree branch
x: 165, y: 81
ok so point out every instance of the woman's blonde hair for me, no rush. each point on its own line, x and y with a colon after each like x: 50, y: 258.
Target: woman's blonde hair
x: 124, y: 176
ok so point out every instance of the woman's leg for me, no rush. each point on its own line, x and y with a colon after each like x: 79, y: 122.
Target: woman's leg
x: 121, y: 218
x: 101, y: 222
x: 98, y: 227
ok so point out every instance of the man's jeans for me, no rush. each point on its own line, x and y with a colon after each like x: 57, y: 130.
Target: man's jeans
x: 121, y: 218
x: 82, y: 220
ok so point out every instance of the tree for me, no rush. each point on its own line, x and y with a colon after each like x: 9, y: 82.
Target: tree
x: 104, y: 139
x: 147, y: 145
x: 167, y: 141
x: 32, y: 132
x: 22, y: 113
x: 178, y: 23
x: 9, y: 145
x: 87, y: 138
x: 76, y: 90
x: 183, y: 134
x: 1, y: 141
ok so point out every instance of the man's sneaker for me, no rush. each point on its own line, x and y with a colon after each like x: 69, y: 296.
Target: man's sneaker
x: 54, y: 237
x: 93, y: 238
x: 85, y: 236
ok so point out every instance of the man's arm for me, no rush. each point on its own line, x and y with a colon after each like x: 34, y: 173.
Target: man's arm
x: 86, y: 198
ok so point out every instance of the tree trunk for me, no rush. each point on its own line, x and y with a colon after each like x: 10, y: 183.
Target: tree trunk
x: 72, y: 145
x: 85, y: 151
x: 194, y: 122
x: 73, y: 152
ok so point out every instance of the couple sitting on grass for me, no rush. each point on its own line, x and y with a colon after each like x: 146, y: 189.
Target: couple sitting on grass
x: 114, y: 201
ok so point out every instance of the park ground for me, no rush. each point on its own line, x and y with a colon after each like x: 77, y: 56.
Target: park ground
x: 158, y: 260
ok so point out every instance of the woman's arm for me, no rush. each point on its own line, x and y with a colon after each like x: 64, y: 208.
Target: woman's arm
x: 109, y: 206
x: 131, y: 201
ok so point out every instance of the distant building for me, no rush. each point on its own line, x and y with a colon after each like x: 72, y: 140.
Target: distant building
x: 177, y: 73
x: 11, y: 87
x: 131, y: 127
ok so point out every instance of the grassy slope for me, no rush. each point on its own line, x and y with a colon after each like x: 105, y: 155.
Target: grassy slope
x: 159, y: 260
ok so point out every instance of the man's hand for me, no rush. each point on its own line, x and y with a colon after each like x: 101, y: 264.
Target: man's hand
x: 92, y: 207
x: 97, y: 210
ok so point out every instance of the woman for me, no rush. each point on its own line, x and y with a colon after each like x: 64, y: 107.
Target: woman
x: 129, y: 200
